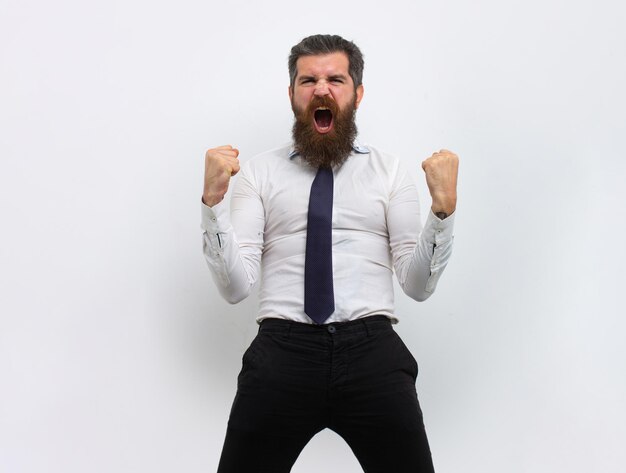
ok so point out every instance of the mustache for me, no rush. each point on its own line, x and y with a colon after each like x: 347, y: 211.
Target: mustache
x: 320, y: 101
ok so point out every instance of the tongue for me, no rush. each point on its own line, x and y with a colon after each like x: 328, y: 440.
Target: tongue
x: 323, y: 118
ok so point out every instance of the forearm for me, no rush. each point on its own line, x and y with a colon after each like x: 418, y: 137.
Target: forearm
x: 419, y: 271
x: 234, y: 267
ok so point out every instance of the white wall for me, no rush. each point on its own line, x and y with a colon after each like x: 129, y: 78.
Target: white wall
x: 116, y: 352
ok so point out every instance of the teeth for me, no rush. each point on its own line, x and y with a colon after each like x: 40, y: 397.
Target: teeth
x: 322, y: 108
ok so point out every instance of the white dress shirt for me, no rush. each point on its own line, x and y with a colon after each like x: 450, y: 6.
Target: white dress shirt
x: 376, y: 228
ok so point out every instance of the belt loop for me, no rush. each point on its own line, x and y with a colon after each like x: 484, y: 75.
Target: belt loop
x: 288, y: 334
x: 367, y: 329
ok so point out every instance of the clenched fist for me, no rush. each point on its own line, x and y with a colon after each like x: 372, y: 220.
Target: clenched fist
x: 441, y: 171
x: 219, y: 165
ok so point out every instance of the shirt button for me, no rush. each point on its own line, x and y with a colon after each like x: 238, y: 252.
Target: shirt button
x: 331, y: 329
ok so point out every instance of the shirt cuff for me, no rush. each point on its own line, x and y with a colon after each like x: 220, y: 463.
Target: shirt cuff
x: 439, y: 231
x: 212, y: 217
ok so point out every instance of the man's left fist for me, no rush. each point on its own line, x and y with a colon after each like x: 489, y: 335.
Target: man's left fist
x: 441, y: 171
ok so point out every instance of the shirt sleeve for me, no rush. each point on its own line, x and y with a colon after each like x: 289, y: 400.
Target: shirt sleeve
x: 419, y: 254
x: 234, y: 257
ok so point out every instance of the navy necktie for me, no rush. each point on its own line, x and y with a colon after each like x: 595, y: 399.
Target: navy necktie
x: 319, y: 299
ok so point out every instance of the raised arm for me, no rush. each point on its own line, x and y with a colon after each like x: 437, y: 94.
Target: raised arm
x: 421, y: 254
x: 232, y: 244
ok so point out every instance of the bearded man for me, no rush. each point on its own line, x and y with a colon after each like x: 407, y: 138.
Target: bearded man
x: 326, y: 220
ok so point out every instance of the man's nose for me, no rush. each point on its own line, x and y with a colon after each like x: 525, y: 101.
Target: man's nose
x: 321, y: 89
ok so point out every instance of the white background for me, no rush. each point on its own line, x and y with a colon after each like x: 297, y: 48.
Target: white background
x: 117, y: 353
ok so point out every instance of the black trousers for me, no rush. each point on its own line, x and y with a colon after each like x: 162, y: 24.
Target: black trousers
x: 356, y: 378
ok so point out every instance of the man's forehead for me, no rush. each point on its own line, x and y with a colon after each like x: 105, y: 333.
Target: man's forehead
x: 336, y: 63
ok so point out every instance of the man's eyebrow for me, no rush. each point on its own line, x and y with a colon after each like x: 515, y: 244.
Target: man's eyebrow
x: 303, y: 78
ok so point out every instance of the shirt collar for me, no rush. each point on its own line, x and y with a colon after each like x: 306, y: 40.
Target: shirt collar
x: 356, y: 146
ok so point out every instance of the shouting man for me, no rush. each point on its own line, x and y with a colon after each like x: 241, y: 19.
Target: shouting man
x: 326, y: 220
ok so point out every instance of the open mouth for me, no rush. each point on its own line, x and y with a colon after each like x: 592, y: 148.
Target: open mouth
x: 323, y: 118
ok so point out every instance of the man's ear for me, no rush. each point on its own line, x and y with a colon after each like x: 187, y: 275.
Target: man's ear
x: 359, y: 95
x: 290, y: 93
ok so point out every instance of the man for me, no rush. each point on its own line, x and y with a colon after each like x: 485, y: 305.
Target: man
x: 326, y: 220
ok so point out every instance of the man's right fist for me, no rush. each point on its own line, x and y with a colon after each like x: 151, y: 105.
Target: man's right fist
x: 219, y: 165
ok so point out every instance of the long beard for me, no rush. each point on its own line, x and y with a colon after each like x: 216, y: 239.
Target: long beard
x: 324, y: 149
